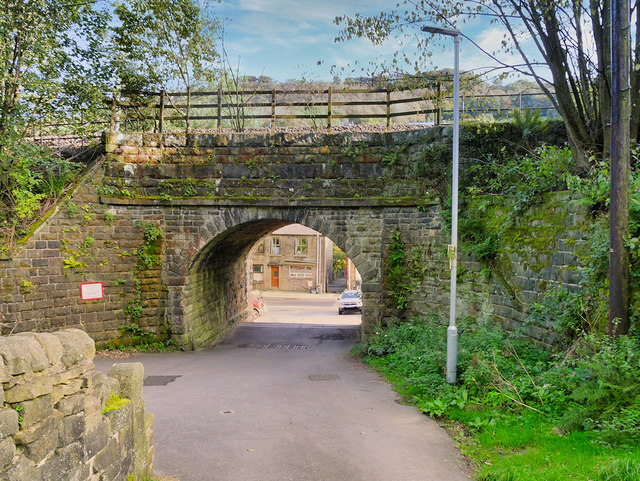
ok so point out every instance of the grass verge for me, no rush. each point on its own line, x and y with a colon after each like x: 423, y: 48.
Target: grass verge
x: 520, y: 413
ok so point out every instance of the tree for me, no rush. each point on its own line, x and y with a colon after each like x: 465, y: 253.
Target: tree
x: 51, y: 61
x: 571, y: 40
x: 165, y: 44
x: 59, y: 61
x: 51, y: 69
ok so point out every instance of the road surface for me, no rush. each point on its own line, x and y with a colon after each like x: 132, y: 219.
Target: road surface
x: 286, y: 401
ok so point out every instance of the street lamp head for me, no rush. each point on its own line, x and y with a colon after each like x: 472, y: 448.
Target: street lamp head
x: 441, y: 30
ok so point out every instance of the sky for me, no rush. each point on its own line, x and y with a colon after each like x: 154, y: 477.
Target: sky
x: 294, y: 39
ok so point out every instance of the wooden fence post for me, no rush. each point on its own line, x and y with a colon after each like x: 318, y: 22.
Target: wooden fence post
x: 438, y: 106
x: 188, y: 107
x: 273, y: 110
x: 329, y: 108
x: 161, y: 111
x: 115, y: 125
x: 219, y: 109
x: 388, y: 107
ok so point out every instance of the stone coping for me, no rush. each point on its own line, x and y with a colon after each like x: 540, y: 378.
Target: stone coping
x: 271, y: 202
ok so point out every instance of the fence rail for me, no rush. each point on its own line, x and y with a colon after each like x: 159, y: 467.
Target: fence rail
x: 237, y: 107
x: 159, y: 111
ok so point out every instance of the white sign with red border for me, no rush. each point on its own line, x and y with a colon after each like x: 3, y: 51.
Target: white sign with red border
x: 90, y: 291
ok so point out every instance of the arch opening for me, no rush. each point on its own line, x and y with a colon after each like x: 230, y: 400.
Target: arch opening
x: 218, y: 284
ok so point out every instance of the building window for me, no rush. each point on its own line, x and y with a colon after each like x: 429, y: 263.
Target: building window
x: 258, y: 272
x: 260, y: 248
x: 300, y: 272
x: 275, y: 246
x: 300, y: 246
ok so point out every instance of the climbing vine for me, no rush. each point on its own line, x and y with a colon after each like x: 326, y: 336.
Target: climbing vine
x: 148, y: 252
x: 404, y: 274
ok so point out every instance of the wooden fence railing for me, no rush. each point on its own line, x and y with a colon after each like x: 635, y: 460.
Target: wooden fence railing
x: 238, y: 110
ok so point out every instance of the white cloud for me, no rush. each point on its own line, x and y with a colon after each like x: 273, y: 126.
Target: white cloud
x: 282, y: 38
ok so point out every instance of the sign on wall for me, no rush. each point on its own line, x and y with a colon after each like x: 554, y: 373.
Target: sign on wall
x: 90, y: 291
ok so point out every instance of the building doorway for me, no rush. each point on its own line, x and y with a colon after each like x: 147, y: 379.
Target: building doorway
x: 275, y: 277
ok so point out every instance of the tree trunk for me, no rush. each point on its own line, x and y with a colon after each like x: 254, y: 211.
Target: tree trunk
x: 635, y: 82
x: 604, y: 78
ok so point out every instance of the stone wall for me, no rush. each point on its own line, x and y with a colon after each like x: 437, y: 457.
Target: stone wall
x: 83, y: 241
x: 350, y: 165
x: 53, y: 422
x: 538, y: 250
x: 212, y: 196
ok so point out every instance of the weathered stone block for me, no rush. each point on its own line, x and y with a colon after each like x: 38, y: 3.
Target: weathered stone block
x: 36, y: 410
x: 22, y: 469
x: 95, y: 440
x: 50, y: 345
x: 106, y: 458
x: 78, y: 346
x: 121, y: 418
x: 71, y: 387
x: 93, y: 378
x: 41, y: 447
x: 7, y: 452
x: 71, y: 428
x: 22, y: 354
x: 32, y: 389
x: 71, y: 404
x: 43, y: 428
x: 130, y: 376
x: 4, y: 372
x: 8, y: 422
x: 71, y: 373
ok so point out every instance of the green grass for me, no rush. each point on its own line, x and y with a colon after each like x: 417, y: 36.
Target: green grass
x: 528, y: 447
x: 531, y: 451
x: 503, y: 440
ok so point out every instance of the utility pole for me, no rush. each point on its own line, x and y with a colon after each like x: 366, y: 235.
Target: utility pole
x: 620, y: 166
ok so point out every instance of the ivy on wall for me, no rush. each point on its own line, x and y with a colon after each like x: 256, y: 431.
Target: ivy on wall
x: 404, y: 273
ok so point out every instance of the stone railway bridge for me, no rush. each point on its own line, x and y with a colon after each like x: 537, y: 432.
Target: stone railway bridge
x: 166, y: 223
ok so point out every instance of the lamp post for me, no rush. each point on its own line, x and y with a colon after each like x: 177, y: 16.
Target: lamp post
x: 452, y: 331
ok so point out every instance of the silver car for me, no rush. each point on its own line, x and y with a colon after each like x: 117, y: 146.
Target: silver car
x: 349, y: 301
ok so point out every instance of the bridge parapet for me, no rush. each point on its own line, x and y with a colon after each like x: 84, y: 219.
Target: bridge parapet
x: 387, y: 168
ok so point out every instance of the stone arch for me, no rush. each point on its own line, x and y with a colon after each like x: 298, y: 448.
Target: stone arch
x: 209, y: 290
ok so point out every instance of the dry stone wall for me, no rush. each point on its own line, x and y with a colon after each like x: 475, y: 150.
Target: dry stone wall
x: 53, y: 422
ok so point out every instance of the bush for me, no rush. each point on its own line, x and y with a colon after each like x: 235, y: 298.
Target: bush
x: 29, y: 174
x: 591, y: 387
x: 604, y: 388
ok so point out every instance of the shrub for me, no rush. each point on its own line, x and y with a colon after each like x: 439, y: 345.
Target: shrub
x: 591, y: 387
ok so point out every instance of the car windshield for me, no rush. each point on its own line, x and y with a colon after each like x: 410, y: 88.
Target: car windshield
x: 350, y: 295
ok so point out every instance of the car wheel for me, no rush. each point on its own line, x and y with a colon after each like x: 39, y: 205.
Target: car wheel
x: 340, y: 311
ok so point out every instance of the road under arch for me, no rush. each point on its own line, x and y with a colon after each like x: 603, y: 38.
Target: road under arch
x: 216, y: 289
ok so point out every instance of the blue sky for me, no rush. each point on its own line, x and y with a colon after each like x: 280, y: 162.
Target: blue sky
x: 285, y: 39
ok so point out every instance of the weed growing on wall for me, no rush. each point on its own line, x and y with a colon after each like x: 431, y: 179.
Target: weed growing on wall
x: 404, y: 273
x: 149, y: 250
x: 522, y: 178
x: 133, y: 309
x: 594, y: 189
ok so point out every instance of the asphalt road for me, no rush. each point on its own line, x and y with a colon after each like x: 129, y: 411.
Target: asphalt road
x: 306, y: 309
x: 286, y: 401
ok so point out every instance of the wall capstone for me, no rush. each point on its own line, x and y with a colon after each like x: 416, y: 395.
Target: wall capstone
x: 52, y: 420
